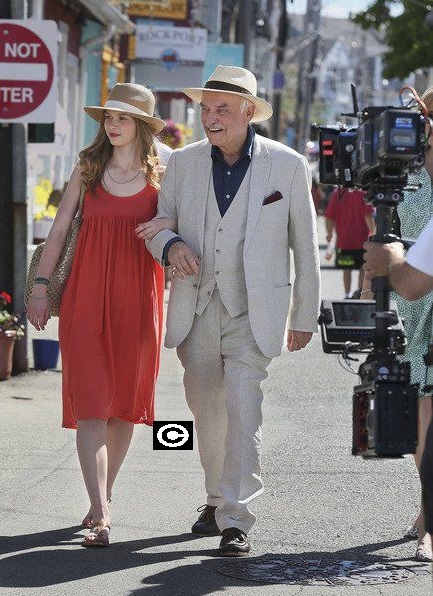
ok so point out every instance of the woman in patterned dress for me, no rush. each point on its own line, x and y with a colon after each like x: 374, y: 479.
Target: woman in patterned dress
x: 414, y: 213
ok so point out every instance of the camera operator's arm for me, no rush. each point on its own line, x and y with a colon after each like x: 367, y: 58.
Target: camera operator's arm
x: 389, y: 260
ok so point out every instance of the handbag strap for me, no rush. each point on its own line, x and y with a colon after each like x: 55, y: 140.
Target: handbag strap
x: 81, y: 201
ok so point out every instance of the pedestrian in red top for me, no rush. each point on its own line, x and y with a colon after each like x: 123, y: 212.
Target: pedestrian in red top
x: 353, y: 221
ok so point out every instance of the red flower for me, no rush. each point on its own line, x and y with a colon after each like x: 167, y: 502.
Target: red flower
x: 6, y: 297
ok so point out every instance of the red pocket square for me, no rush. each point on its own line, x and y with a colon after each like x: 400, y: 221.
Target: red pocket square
x: 277, y: 196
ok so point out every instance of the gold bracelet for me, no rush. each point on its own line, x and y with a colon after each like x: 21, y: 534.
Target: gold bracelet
x: 365, y: 292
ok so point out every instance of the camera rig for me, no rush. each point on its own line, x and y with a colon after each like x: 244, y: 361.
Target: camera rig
x: 377, y: 156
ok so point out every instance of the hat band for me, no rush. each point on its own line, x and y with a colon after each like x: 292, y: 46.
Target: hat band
x: 220, y: 86
x: 120, y: 105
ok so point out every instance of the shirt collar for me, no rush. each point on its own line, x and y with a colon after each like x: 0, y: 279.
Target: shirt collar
x: 247, y: 149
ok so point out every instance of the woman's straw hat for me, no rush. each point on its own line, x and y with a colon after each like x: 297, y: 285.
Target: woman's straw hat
x: 134, y: 100
x: 236, y: 81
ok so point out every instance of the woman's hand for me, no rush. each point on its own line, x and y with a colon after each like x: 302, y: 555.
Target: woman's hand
x: 38, y: 311
x: 148, y: 229
x: 160, y: 170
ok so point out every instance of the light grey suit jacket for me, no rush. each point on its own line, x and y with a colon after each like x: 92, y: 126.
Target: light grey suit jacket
x: 271, y: 231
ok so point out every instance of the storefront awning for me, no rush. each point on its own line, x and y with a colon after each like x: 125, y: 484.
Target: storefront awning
x: 108, y: 15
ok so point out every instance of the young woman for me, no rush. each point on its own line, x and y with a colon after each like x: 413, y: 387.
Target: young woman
x: 111, y: 310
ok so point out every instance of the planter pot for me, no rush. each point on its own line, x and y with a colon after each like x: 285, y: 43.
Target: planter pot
x: 45, y: 353
x: 41, y: 228
x: 7, y: 343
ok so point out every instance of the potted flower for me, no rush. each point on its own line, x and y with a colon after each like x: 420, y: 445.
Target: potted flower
x: 46, y: 201
x: 175, y: 135
x: 10, y: 331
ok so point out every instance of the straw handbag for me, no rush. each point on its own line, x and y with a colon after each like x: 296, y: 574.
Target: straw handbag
x: 63, y: 267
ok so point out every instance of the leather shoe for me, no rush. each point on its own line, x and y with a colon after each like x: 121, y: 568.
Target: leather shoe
x: 234, y: 543
x: 206, y: 524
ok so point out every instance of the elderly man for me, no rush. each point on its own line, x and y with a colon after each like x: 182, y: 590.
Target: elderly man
x: 242, y: 202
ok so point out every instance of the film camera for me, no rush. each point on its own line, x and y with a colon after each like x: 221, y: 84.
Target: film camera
x: 377, y: 156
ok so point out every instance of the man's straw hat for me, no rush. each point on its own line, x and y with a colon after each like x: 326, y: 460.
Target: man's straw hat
x: 134, y: 100
x: 236, y: 81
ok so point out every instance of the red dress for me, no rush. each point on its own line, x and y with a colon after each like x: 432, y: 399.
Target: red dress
x: 111, y: 313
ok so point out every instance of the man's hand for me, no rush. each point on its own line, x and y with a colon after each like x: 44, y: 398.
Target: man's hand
x: 296, y: 340
x: 182, y: 260
x: 380, y: 258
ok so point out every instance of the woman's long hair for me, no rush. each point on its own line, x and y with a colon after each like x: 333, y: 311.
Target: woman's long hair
x: 94, y: 159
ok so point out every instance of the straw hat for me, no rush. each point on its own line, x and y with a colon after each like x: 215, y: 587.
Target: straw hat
x: 134, y: 100
x: 236, y: 81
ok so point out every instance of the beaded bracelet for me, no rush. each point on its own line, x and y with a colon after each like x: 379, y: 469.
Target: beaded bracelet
x: 44, y: 281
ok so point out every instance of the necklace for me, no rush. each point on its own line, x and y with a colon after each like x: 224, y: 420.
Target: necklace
x: 123, y: 181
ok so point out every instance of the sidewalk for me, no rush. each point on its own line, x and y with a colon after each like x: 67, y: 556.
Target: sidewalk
x: 323, y: 512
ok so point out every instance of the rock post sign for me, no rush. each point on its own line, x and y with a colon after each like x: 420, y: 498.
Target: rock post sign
x: 28, y: 59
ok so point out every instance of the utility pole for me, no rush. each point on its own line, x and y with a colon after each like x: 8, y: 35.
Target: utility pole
x: 279, y: 63
x: 13, y: 204
x: 306, y: 74
x: 245, y: 18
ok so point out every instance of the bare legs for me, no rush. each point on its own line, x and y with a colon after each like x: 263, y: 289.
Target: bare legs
x: 424, y: 417
x: 347, y: 281
x: 102, y: 447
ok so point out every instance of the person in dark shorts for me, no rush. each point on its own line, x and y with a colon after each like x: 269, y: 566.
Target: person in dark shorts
x: 353, y: 221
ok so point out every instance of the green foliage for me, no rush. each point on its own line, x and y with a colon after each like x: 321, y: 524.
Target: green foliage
x: 409, y: 35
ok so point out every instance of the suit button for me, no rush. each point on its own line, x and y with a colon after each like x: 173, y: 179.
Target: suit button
x: 217, y: 250
x: 195, y: 286
x: 220, y: 229
x: 216, y: 272
x: 209, y: 292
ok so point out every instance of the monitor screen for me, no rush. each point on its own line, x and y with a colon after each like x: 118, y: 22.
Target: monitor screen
x: 354, y: 315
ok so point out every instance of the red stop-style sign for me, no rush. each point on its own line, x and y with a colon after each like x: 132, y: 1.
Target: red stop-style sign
x: 26, y: 71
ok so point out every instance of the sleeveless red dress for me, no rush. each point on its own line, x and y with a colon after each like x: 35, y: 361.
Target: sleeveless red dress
x: 111, y: 314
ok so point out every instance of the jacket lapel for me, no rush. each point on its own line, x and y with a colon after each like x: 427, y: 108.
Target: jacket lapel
x: 203, y: 176
x: 260, y: 170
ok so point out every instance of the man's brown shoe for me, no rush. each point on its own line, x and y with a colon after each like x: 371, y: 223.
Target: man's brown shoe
x: 206, y: 524
x: 234, y: 543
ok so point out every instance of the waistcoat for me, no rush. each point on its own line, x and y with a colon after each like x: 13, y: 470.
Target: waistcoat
x: 222, y: 260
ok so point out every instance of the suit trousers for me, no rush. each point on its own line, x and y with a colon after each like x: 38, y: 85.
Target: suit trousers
x: 224, y: 369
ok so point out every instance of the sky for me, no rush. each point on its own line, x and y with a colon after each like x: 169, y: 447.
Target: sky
x: 331, y: 8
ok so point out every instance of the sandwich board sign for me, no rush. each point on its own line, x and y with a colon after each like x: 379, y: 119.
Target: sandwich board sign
x: 28, y: 64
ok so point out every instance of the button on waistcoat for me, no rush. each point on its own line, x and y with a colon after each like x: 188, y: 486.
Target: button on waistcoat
x: 222, y: 259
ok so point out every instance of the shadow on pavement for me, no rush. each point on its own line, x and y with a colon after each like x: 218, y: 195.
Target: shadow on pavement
x: 41, y: 567
x: 204, y: 578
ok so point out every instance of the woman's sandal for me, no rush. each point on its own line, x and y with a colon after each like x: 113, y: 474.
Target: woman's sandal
x: 423, y: 553
x: 98, y: 535
x: 412, y: 532
x: 87, y: 522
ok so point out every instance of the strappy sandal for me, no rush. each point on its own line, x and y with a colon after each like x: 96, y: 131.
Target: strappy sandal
x: 423, y: 553
x: 412, y: 532
x: 98, y: 537
x: 87, y: 522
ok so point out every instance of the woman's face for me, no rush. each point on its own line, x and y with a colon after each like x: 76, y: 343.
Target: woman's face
x: 120, y: 128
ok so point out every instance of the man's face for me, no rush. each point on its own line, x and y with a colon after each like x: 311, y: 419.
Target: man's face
x: 223, y: 121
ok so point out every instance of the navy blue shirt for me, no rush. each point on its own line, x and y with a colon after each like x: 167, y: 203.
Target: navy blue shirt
x: 226, y: 180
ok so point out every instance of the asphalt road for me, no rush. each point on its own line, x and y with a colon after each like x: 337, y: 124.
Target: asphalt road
x: 323, y: 511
